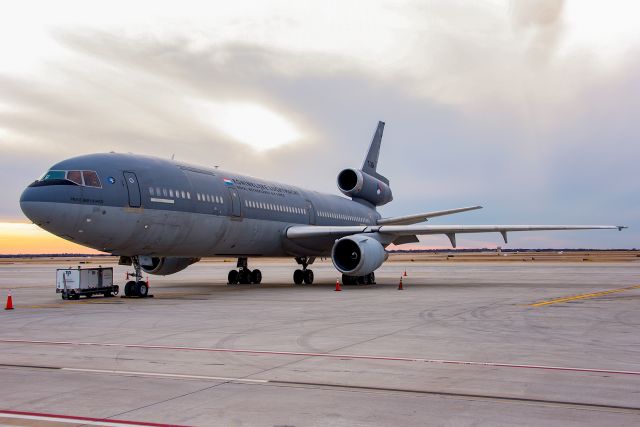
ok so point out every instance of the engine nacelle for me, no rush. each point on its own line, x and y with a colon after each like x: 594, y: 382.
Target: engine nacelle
x: 360, y: 185
x: 164, y: 266
x: 357, y: 255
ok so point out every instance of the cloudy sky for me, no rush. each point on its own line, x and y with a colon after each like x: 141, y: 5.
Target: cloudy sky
x: 527, y: 107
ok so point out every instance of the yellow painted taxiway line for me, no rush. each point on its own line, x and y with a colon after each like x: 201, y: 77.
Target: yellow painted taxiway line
x: 582, y: 296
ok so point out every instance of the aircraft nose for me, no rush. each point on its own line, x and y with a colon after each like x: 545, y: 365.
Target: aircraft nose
x: 33, y: 207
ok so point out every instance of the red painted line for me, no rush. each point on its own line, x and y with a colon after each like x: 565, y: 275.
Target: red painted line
x: 76, y: 418
x: 328, y: 355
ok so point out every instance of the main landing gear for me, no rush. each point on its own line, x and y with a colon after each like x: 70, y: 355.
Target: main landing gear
x: 369, y: 279
x: 137, y: 287
x: 304, y: 275
x: 243, y: 275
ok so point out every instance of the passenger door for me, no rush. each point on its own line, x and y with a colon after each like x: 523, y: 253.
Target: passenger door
x: 312, y: 212
x: 133, y: 189
x: 235, y: 203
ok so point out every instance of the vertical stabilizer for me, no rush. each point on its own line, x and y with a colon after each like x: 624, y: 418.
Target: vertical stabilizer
x: 371, y: 161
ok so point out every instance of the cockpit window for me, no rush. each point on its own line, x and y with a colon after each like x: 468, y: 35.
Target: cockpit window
x: 91, y: 179
x: 51, y: 175
x: 75, y: 176
x: 58, y: 177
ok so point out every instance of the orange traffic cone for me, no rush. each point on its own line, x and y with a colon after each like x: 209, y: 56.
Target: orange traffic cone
x: 405, y: 273
x: 338, y: 288
x: 9, y: 305
x: 400, y: 288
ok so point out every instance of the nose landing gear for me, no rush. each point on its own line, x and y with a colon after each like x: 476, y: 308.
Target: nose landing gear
x: 137, y: 287
x: 305, y: 275
x: 243, y: 275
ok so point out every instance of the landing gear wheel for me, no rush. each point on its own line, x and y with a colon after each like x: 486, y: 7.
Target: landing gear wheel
x: 256, y: 276
x: 129, y: 288
x: 348, y: 280
x: 371, y: 278
x: 308, y: 277
x: 141, y: 289
x: 244, y: 276
x: 298, y: 277
x: 232, y: 278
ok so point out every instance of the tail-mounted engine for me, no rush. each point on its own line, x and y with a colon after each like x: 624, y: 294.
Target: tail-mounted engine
x: 366, y: 183
x: 360, y: 185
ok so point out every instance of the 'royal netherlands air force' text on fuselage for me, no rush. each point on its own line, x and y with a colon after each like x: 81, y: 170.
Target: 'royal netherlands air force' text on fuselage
x: 162, y: 216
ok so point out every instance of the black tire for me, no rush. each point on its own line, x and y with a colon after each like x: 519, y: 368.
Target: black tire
x: 245, y: 277
x: 308, y: 277
x: 371, y: 278
x: 298, y: 277
x: 361, y: 280
x: 64, y: 295
x: 232, y: 277
x: 115, y: 290
x: 256, y: 276
x: 129, y: 288
x: 106, y: 294
x: 348, y: 280
x: 141, y: 289
x: 88, y: 295
x: 74, y: 296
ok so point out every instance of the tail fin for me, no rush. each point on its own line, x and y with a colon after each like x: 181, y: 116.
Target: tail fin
x: 371, y: 161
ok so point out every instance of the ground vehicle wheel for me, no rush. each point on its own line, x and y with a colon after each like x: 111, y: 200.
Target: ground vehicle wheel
x: 256, y: 276
x: 64, y: 295
x: 74, y: 296
x: 115, y: 290
x: 232, y: 278
x: 141, y: 289
x: 129, y: 288
x: 106, y: 294
x: 308, y: 277
x: 298, y: 277
x: 371, y: 278
x: 88, y: 295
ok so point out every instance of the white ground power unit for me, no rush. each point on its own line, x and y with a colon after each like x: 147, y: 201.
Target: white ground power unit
x: 73, y: 282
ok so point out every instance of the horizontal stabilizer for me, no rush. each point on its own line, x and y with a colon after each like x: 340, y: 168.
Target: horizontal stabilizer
x: 421, y: 217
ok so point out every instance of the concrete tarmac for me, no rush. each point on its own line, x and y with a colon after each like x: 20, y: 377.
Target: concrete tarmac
x: 204, y: 353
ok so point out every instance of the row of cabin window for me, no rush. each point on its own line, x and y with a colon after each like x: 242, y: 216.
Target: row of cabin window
x: 209, y: 198
x: 181, y: 194
x: 342, y: 216
x: 274, y: 207
x: 163, y: 192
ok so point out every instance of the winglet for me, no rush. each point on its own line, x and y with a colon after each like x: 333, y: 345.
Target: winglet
x: 371, y: 161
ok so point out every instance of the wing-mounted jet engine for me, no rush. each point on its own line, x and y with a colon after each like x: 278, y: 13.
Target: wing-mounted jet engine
x: 357, y: 257
x: 163, y: 266
x: 366, y: 183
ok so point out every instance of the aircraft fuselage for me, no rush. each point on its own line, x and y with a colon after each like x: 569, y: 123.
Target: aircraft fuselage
x: 156, y: 207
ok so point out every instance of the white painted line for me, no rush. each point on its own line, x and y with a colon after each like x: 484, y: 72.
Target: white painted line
x: 71, y: 419
x: 327, y: 355
x: 160, y: 375
x: 62, y: 420
x: 153, y: 199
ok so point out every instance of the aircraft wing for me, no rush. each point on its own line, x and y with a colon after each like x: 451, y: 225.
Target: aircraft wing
x: 421, y: 217
x: 394, y: 232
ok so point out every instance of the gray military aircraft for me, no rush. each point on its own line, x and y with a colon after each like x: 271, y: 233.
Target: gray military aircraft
x: 163, y: 215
